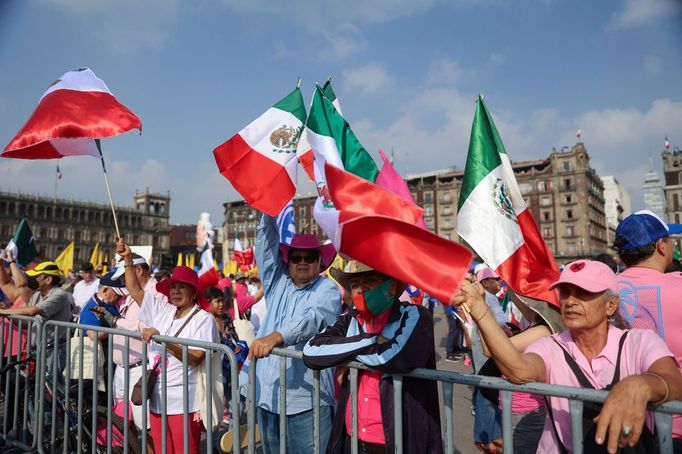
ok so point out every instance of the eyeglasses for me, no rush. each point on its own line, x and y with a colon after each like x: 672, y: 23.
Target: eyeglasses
x: 296, y: 259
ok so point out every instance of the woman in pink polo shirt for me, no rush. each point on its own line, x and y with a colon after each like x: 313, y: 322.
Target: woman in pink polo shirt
x: 590, y: 353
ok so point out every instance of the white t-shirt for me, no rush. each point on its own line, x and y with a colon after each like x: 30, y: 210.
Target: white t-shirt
x: 83, y: 291
x: 258, y: 311
x: 161, y: 315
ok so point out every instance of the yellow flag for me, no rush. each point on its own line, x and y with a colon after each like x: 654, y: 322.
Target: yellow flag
x: 105, y: 264
x: 190, y: 262
x: 65, y: 259
x: 230, y: 268
x: 180, y: 261
x: 95, y: 255
x: 215, y: 265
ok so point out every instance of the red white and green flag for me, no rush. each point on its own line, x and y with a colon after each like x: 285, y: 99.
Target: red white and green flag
x: 260, y: 160
x: 75, y: 110
x: 379, y: 228
x: 494, y: 219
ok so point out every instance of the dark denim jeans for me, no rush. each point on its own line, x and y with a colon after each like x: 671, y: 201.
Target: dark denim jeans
x: 299, y: 430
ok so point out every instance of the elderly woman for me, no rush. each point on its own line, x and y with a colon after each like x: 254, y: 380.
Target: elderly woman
x: 590, y: 354
x: 183, y: 318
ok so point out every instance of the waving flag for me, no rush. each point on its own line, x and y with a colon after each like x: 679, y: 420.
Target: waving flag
x: 23, y: 244
x: 285, y: 224
x: 74, y: 111
x: 493, y: 217
x: 260, y: 161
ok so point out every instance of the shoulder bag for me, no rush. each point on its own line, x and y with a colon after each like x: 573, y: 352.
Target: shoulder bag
x: 136, y: 395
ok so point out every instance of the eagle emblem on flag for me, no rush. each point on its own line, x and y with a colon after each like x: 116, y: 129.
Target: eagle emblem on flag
x: 285, y: 139
x: 502, y: 200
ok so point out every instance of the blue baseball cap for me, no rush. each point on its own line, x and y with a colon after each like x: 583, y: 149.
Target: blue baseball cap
x: 642, y: 228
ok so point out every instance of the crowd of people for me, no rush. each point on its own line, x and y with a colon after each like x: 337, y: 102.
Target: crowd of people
x: 615, y: 329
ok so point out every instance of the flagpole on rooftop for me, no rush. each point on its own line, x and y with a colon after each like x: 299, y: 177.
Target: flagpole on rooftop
x: 106, y: 182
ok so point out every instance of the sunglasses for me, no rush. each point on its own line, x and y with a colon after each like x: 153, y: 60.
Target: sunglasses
x: 296, y: 259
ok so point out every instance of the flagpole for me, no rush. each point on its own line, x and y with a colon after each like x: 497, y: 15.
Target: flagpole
x: 106, y: 182
x: 298, y: 83
x: 56, y: 178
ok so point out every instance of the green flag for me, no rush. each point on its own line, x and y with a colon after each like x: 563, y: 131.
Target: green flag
x: 23, y: 244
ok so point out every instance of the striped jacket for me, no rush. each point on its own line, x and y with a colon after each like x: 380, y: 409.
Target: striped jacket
x: 410, y: 345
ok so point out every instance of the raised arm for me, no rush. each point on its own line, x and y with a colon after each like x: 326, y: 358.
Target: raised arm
x: 270, y: 265
x: 17, y: 285
x: 517, y: 367
x: 132, y: 284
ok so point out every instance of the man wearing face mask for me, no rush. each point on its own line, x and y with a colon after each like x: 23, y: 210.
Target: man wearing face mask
x: 300, y: 303
x: 393, y: 337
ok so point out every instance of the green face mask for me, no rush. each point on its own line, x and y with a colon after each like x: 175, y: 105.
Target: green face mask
x: 375, y: 301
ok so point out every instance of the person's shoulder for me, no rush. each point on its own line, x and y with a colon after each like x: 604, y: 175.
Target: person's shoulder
x: 327, y: 284
x: 643, y: 336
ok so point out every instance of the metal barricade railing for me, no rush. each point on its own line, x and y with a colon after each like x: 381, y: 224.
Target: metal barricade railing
x: 19, y: 341
x: 55, y: 412
x: 71, y: 414
x: 663, y: 413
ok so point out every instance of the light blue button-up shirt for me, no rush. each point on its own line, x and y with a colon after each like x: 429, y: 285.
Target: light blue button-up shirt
x: 298, y: 314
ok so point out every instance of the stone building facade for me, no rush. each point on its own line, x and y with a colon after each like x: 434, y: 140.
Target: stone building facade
x: 672, y: 171
x: 57, y: 222
x: 565, y: 196
x: 617, y: 205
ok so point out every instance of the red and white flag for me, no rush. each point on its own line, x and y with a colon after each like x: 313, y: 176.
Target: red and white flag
x: 74, y: 111
x: 578, y: 134
x: 260, y: 160
x: 667, y: 144
x: 379, y: 228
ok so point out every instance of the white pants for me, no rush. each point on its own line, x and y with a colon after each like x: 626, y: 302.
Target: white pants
x: 119, y: 382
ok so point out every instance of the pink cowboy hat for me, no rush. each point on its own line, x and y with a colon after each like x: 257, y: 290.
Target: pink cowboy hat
x: 309, y: 241
x: 188, y: 276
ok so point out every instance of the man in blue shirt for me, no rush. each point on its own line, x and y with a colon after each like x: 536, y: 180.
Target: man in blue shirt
x: 300, y: 304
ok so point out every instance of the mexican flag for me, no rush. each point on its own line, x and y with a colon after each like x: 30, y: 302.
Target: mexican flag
x: 260, y: 160
x: 208, y: 275
x: 493, y: 217
x: 74, y: 111
x: 23, y: 244
x: 378, y: 228
x: 304, y: 152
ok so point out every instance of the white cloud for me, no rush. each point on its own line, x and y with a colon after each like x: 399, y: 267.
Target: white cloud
x: 496, y: 60
x: 344, y: 41
x: 652, y: 65
x: 126, y: 26
x: 444, y: 72
x: 372, y: 78
x: 639, y: 12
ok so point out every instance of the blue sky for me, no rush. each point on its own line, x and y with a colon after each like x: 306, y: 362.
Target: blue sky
x: 406, y: 73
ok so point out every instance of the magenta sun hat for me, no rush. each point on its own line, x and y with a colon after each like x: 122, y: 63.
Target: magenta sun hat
x: 642, y: 228
x: 309, y: 241
x: 486, y: 273
x: 589, y: 275
x: 186, y: 275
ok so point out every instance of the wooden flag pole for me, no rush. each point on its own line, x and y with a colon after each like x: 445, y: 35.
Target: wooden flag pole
x: 106, y: 182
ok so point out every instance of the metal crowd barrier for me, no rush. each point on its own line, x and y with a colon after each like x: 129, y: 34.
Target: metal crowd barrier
x: 662, y: 414
x: 54, y: 412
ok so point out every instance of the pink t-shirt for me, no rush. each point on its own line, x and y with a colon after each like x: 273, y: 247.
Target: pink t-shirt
x: 653, y: 300
x: 641, y: 349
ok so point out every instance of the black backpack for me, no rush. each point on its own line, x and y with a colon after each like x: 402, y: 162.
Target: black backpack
x: 647, y: 444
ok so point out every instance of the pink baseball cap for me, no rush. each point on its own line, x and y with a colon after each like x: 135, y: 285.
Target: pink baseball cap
x: 589, y: 275
x: 486, y: 273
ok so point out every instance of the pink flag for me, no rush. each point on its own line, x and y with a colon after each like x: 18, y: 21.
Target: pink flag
x: 391, y: 180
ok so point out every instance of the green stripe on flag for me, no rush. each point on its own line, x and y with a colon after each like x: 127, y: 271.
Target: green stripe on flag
x: 293, y: 103
x: 325, y: 120
x: 485, y: 147
x: 329, y: 91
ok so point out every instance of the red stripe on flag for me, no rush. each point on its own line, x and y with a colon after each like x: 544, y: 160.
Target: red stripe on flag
x: 354, y: 196
x: 264, y: 184
x: 407, y: 253
x: 307, y: 161
x: 531, y: 269
x: 72, y: 114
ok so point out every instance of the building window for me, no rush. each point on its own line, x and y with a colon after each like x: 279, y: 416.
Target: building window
x: 546, y: 216
x: 545, y: 200
x: 676, y: 202
x: 428, y: 197
x: 569, y: 214
x: 447, y: 224
x: 301, y: 212
x: 429, y: 223
x: 541, y: 186
x: 428, y: 210
x: 571, y: 248
x: 570, y: 230
x: 569, y: 199
x: 447, y: 211
x: 567, y: 166
x: 447, y: 197
x: 567, y: 183
x: 547, y: 232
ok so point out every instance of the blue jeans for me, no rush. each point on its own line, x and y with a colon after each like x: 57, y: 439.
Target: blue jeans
x: 488, y: 419
x: 299, y: 430
x: 453, y: 343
